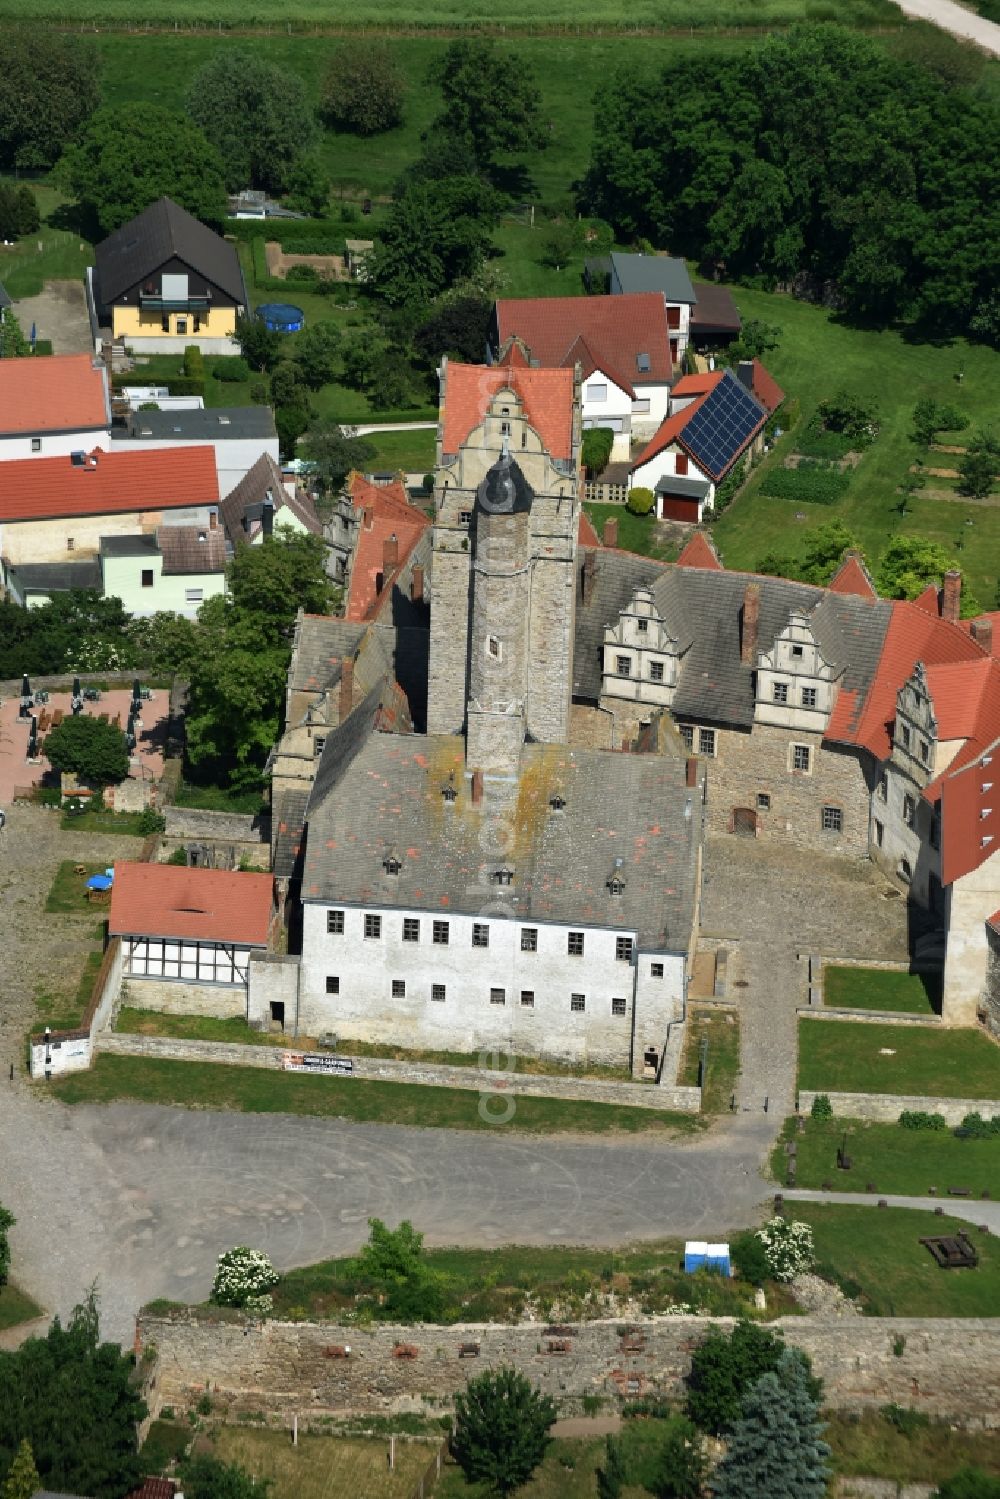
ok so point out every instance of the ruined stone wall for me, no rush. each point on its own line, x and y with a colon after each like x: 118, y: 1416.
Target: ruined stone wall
x: 887, y: 1107
x: 943, y: 1367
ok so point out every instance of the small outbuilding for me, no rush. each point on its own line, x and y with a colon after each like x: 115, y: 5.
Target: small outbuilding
x: 701, y: 1256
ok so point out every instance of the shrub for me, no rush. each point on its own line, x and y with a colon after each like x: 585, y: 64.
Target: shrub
x: 750, y: 1258
x: 596, y: 450
x: 905, y: 1419
x: 179, y: 856
x: 810, y: 483
x: 723, y: 1367
x: 975, y: 1127
x: 194, y: 362
x: 231, y: 369
x: 640, y: 501
x: 302, y: 273
x: 150, y: 821
x: 847, y: 413
x: 822, y: 1108
x: 428, y: 484
x: 243, y: 1277
x: 918, y: 1119
x: 788, y: 1246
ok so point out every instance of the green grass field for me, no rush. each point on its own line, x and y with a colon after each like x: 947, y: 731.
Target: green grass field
x: 870, y: 1446
x: 722, y: 1032
x: 16, y: 1307
x: 903, y: 1162
x: 841, y: 1056
x: 636, y: 533
x: 320, y: 1466
x: 413, y: 452
x: 881, y: 989
x: 876, y: 1256
x: 256, y: 1091
x: 68, y: 891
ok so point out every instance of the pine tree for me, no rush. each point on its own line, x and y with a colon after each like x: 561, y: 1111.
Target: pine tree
x: 22, y: 1482
x: 501, y: 1429
x: 611, y: 1475
x: 775, y: 1448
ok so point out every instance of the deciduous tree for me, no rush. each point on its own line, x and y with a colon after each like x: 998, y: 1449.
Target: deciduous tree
x: 909, y: 563
x: 723, y: 1367
x: 501, y: 1429
x: 979, y: 466
x: 315, y: 352
x: 335, y: 451
x: 459, y: 326
x: 256, y: 116
x: 207, y: 1478
x: 93, y: 749
x: 364, y: 89
x: 436, y: 234
x: 13, y: 344
x: 50, y: 88
x: 490, y: 98
x: 18, y: 210
x: 682, y: 1465
x: 260, y: 345
x: 22, y: 1482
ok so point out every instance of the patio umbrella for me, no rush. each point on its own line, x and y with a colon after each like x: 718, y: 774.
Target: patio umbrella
x: 26, y: 698
x: 76, y: 702
x: 98, y: 882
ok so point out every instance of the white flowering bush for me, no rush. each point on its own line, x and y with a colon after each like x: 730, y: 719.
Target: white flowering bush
x: 243, y: 1277
x: 788, y: 1246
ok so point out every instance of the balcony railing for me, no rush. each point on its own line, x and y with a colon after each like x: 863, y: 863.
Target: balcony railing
x: 150, y: 303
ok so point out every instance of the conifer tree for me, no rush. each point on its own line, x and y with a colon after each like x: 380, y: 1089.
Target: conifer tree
x: 775, y: 1448
x: 22, y: 1482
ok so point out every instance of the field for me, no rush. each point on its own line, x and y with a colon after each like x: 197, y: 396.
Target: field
x: 841, y: 1056
x: 321, y: 1466
x: 413, y: 452
x: 903, y: 1162
x: 881, y: 989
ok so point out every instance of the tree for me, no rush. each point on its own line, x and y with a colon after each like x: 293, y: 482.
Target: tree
x: 681, y: 1467
x: 50, y: 87
x: 7, y: 1221
x: 825, y: 548
x: 459, y: 326
x: 931, y: 417
x: 335, y: 451
x: 315, y: 352
x: 90, y: 748
x: 436, y: 234
x: 596, y: 448
x: 244, y: 1277
x: 909, y: 563
x: 18, y: 211
x: 125, y: 160
x: 501, y: 1429
x: 613, y: 1473
x: 775, y: 1449
x: 392, y: 1263
x: 559, y: 246
x: 490, y: 98
x: 291, y: 422
x: 756, y: 338
x: 363, y: 89
x: 969, y: 1483
x: 850, y: 414
x: 260, y: 345
x: 13, y: 344
x: 723, y: 1367
x: 255, y: 115
x: 74, y: 1399
x: 308, y: 184
x: 288, y: 387
x: 22, y: 1482
x: 208, y: 1478
x: 979, y: 466
x: 750, y: 1258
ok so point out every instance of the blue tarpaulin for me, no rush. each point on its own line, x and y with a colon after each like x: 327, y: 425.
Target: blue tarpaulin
x: 99, y: 882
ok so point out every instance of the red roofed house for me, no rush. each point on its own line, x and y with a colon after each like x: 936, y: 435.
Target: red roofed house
x: 52, y: 406
x: 188, y: 934
x: 384, y: 529
x: 621, y: 343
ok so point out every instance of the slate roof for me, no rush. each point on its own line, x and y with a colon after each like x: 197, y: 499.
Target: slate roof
x: 129, y: 546
x: 547, y: 397
x: 662, y: 273
x: 616, y: 576
x: 118, y: 482
x: 57, y: 577
x: 323, y: 641
x: 209, y: 905
x: 685, y: 485
x: 715, y: 311
x: 606, y: 333
x: 200, y: 424
x: 245, y: 502
x: 192, y: 549
x: 378, y: 792
x: 161, y: 233
x: 288, y: 815
x: 60, y: 393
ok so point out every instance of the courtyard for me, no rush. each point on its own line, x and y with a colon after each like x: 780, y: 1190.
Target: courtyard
x: 17, y: 772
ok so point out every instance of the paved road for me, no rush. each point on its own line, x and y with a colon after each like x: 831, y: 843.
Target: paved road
x: 969, y: 1210
x: 957, y: 20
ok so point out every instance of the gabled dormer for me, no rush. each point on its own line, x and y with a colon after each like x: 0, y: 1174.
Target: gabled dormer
x: 915, y: 729
x: 641, y: 657
x: 794, y: 684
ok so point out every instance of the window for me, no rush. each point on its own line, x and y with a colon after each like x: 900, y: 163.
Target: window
x: 905, y: 870
x: 498, y: 996
x: 618, y: 1007
x: 801, y: 757
x: 904, y: 736
x: 656, y: 970
x: 465, y: 517
x: 335, y: 923
x: 36, y: 444
x: 687, y: 736
x: 597, y: 392
x: 925, y: 751
x: 319, y: 744
x: 574, y: 944
x: 504, y: 876
x: 578, y: 1003
x: 493, y: 647
x: 623, y: 949
x: 763, y: 801
x: 528, y: 998
x: 832, y: 820
x: 642, y: 625
x: 656, y: 671
x: 332, y: 984
x: 809, y: 697
x: 681, y: 465
x: 194, y: 595
x: 909, y: 811
x: 882, y: 791
x: 146, y: 577
x: 391, y: 864
x: 780, y: 691
x: 399, y: 988
x: 640, y: 408
x: 529, y: 939
x: 440, y: 934
x: 706, y: 741
x: 796, y: 652
x: 480, y: 934
x: 557, y: 803
x: 70, y: 544
x: 411, y: 929
x: 182, y: 325
x: 879, y: 833
x: 165, y: 323
x: 373, y: 926
x: 623, y: 666
x: 437, y: 991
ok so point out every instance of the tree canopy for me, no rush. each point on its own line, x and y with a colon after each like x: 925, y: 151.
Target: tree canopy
x: 969, y: 1483
x: 491, y: 99
x: 501, y: 1429
x: 437, y: 233
x: 723, y: 1367
x: 363, y: 89
x: 335, y: 451
x: 22, y: 1482
x: 775, y: 1450
x: 78, y: 630
x: 206, y: 1477
x: 909, y: 563
x: 18, y: 210
x: 50, y: 88
x: 13, y: 344
x: 92, y: 748
x: 7, y: 1221
x: 255, y: 115
x: 125, y: 160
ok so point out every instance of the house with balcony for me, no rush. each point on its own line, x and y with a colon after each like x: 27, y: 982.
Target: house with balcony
x: 165, y: 280
x: 669, y: 279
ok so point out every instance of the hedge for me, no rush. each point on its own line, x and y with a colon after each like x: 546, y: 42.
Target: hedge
x: 308, y: 244
x: 810, y: 483
x: 178, y: 385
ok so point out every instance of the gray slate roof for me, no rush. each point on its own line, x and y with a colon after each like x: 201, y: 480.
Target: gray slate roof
x: 161, y: 233
x: 616, y: 577
x: 660, y: 273
x: 682, y: 484
x: 288, y: 816
x: 204, y: 424
x: 241, y: 508
x: 715, y: 310
x: 323, y: 642
x: 192, y: 549
x: 129, y: 546
x: 377, y: 793
x: 57, y: 577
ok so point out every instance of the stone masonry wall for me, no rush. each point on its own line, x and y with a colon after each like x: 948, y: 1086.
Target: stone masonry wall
x: 945, y: 1367
x: 216, y: 1000
x: 194, y: 822
x: 888, y: 1106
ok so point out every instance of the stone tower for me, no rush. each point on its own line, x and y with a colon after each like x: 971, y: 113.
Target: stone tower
x: 504, y: 569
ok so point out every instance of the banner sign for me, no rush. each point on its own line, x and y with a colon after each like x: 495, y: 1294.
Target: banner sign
x: 314, y: 1061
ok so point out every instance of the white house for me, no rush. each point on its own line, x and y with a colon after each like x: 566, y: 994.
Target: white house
x: 52, y: 406
x: 669, y: 279
x: 238, y: 436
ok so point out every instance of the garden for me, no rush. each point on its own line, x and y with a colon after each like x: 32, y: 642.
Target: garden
x: 895, y: 1159
x: 857, y: 988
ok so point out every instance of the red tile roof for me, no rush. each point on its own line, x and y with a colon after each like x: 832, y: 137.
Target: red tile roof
x: 60, y: 393
x: 547, y: 397
x: 929, y: 601
x: 208, y: 905
x: 853, y: 577
x: 991, y: 617
x: 586, y: 534
x: 386, y: 513
x: 970, y: 812
x: 699, y: 552
x: 148, y: 479
x: 766, y: 388
x: 994, y: 921
x: 957, y: 690
x: 605, y: 333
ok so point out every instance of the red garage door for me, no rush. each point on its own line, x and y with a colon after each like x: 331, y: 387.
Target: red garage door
x: 674, y: 508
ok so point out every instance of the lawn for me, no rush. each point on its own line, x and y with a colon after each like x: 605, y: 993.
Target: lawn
x: 904, y: 1162
x: 636, y: 533
x: 844, y: 1056
x: 67, y: 893
x: 321, y: 1466
x: 63, y: 256
x: 16, y: 1307
x: 818, y: 355
x: 722, y: 1032
x: 64, y: 1012
x: 870, y: 1446
x: 220, y: 799
x: 101, y: 820
x: 137, y: 1022
x: 258, y: 1091
x: 876, y: 1256
x: 882, y: 989
x: 413, y: 452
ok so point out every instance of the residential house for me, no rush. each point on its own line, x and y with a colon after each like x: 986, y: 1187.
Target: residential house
x: 715, y: 320
x: 176, y: 569
x: 165, y: 280
x: 622, y: 345
x: 238, y: 436
x: 667, y: 277
x: 52, y: 406
x: 372, y: 533
x: 264, y: 499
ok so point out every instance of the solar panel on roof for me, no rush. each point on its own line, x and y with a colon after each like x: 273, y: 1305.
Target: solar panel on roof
x: 722, y: 424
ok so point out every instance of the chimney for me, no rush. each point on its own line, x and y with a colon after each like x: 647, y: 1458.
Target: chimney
x: 390, y: 554
x: 589, y: 570
x: 744, y: 373
x: 751, y: 621
x: 346, y: 689
x: 267, y: 515
x: 477, y: 788
x: 213, y: 520
x: 611, y: 531
x: 692, y: 770
x: 951, y: 596
x: 982, y: 634
x: 417, y: 584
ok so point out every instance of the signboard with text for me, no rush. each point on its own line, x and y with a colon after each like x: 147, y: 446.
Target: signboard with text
x: 314, y: 1061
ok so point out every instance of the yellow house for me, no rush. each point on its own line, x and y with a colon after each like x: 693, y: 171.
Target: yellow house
x: 165, y: 280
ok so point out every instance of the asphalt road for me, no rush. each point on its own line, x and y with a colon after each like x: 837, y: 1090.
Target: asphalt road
x: 956, y: 19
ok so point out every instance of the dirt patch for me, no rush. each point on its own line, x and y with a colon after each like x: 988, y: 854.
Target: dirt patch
x: 333, y: 267
x: 942, y: 473
x: 947, y: 447
x: 59, y: 313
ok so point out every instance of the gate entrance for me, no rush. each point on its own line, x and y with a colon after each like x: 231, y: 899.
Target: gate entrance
x: 745, y: 822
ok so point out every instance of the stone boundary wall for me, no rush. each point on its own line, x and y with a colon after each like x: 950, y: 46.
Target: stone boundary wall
x: 227, y: 827
x: 72, y: 1051
x: 384, y: 1069
x: 892, y: 965
x: 64, y: 682
x: 867, y: 1017
x: 946, y: 1367
x: 887, y: 1107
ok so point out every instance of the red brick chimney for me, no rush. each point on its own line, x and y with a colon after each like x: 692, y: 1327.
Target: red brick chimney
x: 417, y: 584
x: 213, y: 521
x: 611, y: 531
x: 951, y: 596
x: 346, y: 689
x: 751, y: 622
x: 692, y: 770
x: 477, y: 787
x: 589, y: 571
x: 982, y: 634
x: 390, y: 554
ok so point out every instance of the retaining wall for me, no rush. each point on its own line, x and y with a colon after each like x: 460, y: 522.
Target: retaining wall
x: 868, y: 1017
x: 945, y: 1368
x: 197, y: 823
x: 888, y: 1106
x: 72, y: 1051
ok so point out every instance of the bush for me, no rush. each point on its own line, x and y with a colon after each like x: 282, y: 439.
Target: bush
x: 150, y: 821
x: 822, y: 1108
x: 596, y: 449
x: 788, y: 1246
x: 640, y: 501
x: 178, y: 857
x: 848, y: 414
x: 302, y: 273
x: 975, y: 1127
x: 231, y: 369
x: 810, y: 483
x: 905, y: 1419
x: 194, y: 363
x: 322, y: 241
x: 917, y: 1119
x: 243, y: 1277
x: 723, y: 1368
x: 750, y: 1258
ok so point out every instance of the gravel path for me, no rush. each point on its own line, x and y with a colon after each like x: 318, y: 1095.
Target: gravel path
x: 971, y: 1210
x: 956, y: 19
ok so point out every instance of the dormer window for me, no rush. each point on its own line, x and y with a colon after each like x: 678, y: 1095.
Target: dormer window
x: 391, y: 864
x: 557, y: 802
x: 616, y: 885
x: 642, y: 625
x: 503, y: 876
x: 449, y: 794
